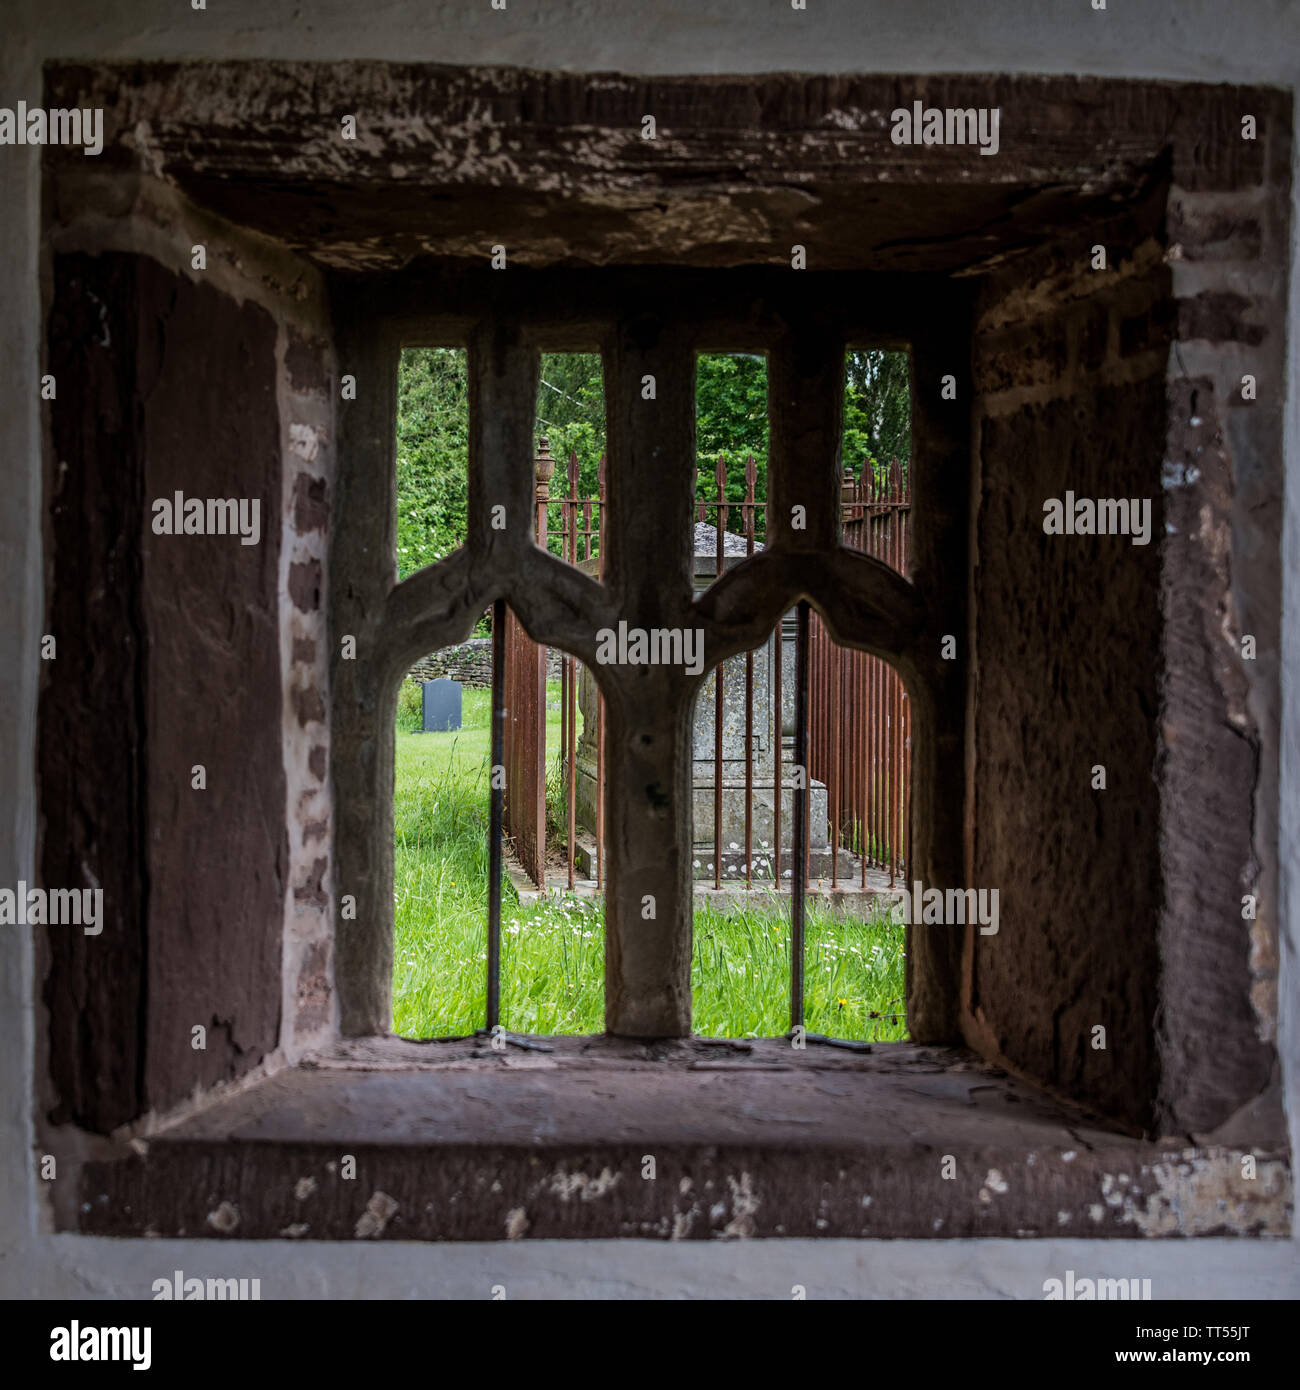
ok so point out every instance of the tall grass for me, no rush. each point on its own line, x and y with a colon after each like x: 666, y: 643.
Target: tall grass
x: 552, y: 952
x: 740, y: 975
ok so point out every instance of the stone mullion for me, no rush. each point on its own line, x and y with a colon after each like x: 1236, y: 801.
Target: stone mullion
x: 864, y: 604
x: 502, y: 409
x: 649, y: 880
x: 558, y: 605
x: 649, y: 883
x: 806, y: 406
x: 648, y: 566
x: 436, y: 607
x: 361, y: 572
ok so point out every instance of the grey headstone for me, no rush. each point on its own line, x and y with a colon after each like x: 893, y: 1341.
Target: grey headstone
x: 441, y: 706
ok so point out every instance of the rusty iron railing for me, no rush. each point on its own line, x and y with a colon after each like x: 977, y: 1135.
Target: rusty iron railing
x: 861, y: 731
x: 577, y: 540
x: 524, y: 753
x: 856, y: 724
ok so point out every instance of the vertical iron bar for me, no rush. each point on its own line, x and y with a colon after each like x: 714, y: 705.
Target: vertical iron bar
x: 780, y: 752
x: 896, y: 811
x: 799, y: 877
x: 564, y: 696
x: 848, y: 750
x: 907, y: 783
x: 894, y: 747
x: 882, y: 695
x: 833, y: 792
x: 896, y: 688
x: 564, y: 661
x: 600, y: 786
x: 859, y: 781
x: 816, y: 723
x: 805, y: 845
x: 720, y: 481
x: 907, y: 704
x: 717, y: 777
x: 875, y: 762
x: 751, y: 476
x: 749, y: 768
x: 892, y: 774
x: 889, y: 722
x: 860, y: 721
x: 873, y: 708
x: 906, y: 725
x: 885, y: 671
x: 571, y: 507
x: 868, y: 772
x: 573, y: 766
x: 600, y: 698
x: 546, y: 470
x: 886, y: 770
x: 820, y: 728
x: 496, y: 807
x: 860, y: 713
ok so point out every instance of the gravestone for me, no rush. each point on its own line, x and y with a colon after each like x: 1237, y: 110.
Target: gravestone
x: 441, y: 706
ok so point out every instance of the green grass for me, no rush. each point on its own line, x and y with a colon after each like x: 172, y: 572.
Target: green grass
x: 740, y: 975
x: 552, y: 953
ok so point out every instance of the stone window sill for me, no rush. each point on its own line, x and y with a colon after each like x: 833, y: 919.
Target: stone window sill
x: 603, y: 1137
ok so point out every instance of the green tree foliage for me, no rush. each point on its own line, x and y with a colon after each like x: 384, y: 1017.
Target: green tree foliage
x: 571, y: 414
x: 432, y: 455
x: 731, y: 424
x: 877, y: 411
x: 731, y: 421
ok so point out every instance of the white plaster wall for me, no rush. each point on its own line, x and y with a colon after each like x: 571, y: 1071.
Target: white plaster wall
x: 1201, y: 40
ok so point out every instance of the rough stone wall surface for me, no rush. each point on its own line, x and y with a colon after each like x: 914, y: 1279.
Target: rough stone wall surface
x: 1221, y: 575
x: 1068, y: 634
x: 1129, y: 382
x: 470, y: 663
x: 263, y: 709
x: 217, y: 862
x: 194, y: 912
x: 306, y: 376
x: 94, y: 787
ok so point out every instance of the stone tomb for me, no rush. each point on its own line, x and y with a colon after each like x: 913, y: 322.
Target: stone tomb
x: 765, y: 740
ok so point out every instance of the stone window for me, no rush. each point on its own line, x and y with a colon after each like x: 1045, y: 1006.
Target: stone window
x: 259, y: 909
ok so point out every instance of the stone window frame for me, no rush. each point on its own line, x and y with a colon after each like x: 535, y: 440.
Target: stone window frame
x: 300, y: 1117
x: 804, y: 330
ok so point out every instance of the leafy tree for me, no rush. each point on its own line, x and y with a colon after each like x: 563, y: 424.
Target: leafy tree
x: 432, y: 455
x: 731, y: 421
x: 877, y: 411
x: 571, y: 414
